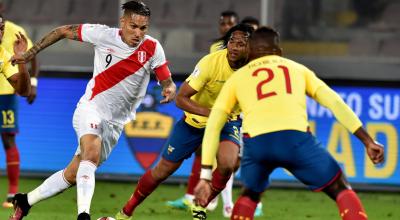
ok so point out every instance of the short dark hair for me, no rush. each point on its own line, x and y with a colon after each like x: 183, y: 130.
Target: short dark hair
x: 250, y: 20
x: 239, y: 27
x: 267, y: 34
x: 136, y: 7
x: 229, y: 13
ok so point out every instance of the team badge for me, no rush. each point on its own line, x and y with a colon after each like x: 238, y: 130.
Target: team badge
x: 147, y: 135
x: 141, y: 56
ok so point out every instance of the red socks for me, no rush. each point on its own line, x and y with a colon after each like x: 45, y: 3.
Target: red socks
x: 218, y: 184
x: 145, y: 187
x: 12, y: 158
x: 194, y: 176
x: 244, y: 209
x: 350, y: 206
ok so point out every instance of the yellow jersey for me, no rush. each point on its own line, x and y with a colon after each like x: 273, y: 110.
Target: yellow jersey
x: 216, y: 46
x: 7, y: 42
x: 6, y: 71
x: 271, y: 92
x: 208, y: 77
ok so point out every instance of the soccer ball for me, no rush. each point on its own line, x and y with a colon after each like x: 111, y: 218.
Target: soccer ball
x: 106, y: 218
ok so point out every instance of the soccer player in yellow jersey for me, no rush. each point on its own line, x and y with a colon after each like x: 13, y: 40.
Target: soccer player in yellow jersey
x: 12, y: 79
x: 10, y: 34
x: 227, y: 20
x: 196, y: 97
x: 271, y: 91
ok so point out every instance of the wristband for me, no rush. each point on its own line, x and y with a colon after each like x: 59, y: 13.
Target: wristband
x: 34, y: 81
x: 206, y: 174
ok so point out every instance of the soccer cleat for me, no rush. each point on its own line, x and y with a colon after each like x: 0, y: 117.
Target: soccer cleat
x: 21, y: 206
x: 181, y: 203
x: 227, y: 211
x: 212, y: 205
x: 198, y: 212
x: 121, y: 216
x: 258, y: 212
x: 83, y: 216
x: 8, y: 202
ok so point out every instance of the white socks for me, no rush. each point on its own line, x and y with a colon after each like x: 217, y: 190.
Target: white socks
x: 53, y: 185
x: 85, y: 183
x: 227, y: 193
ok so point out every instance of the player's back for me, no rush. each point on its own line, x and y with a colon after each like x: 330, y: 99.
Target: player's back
x: 271, y: 92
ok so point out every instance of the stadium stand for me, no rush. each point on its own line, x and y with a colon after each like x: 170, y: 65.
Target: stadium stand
x: 187, y: 27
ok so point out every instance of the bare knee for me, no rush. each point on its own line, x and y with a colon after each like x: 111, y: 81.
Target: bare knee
x: 164, y: 169
x: 337, y: 187
x: 227, y: 159
x: 71, y: 170
x: 91, y: 148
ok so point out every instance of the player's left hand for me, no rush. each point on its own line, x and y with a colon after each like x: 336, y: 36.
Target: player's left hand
x: 202, y: 192
x: 169, y: 93
x: 375, y: 152
x: 32, y: 96
x: 21, y: 44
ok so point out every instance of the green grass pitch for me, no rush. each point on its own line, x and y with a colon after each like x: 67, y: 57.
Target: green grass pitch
x: 282, y: 204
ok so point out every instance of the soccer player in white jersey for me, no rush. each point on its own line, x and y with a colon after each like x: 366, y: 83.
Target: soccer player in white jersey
x: 123, y: 61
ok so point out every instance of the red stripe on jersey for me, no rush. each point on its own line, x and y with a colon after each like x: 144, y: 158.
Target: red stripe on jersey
x: 80, y: 32
x: 162, y: 72
x: 124, y: 68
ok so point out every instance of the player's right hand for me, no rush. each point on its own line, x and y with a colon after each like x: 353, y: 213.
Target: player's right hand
x: 202, y: 192
x: 375, y: 152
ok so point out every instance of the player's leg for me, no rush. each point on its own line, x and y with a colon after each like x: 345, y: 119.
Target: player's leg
x: 226, y: 163
x: 90, y: 146
x: 184, y: 140
x: 226, y: 196
x: 53, y: 185
x: 350, y: 206
x: 147, y: 184
x: 318, y: 169
x: 185, y: 201
x: 254, y: 173
x: 13, y: 161
x: 8, y: 130
x: 227, y: 157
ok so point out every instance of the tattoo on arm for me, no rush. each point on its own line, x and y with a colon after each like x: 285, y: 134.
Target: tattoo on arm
x: 67, y: 31
x: 74, y: 30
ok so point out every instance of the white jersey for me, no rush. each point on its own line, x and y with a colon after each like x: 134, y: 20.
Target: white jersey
x: 121, y: 73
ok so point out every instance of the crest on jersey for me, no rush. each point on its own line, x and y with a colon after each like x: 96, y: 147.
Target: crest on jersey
x: 141, y: 56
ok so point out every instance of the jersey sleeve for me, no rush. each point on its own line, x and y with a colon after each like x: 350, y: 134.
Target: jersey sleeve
x: 313, y: 83
x: 159, y: 63
x: 225, y: 102
x: 7, y: 68
x: 91, y: 33
x: 343, y: 113
x: 200, y: 74
x: 226, y: 99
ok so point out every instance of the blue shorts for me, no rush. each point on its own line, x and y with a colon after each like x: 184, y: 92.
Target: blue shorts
x: 298, y: 152
x: 185, y: 139
x: 9, y: 116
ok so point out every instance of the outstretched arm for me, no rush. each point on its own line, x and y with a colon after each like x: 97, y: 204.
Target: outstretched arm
x: 66, y: 31
x: 330, y: 99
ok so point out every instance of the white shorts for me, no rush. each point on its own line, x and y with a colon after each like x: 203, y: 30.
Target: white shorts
x: 86, y: 120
